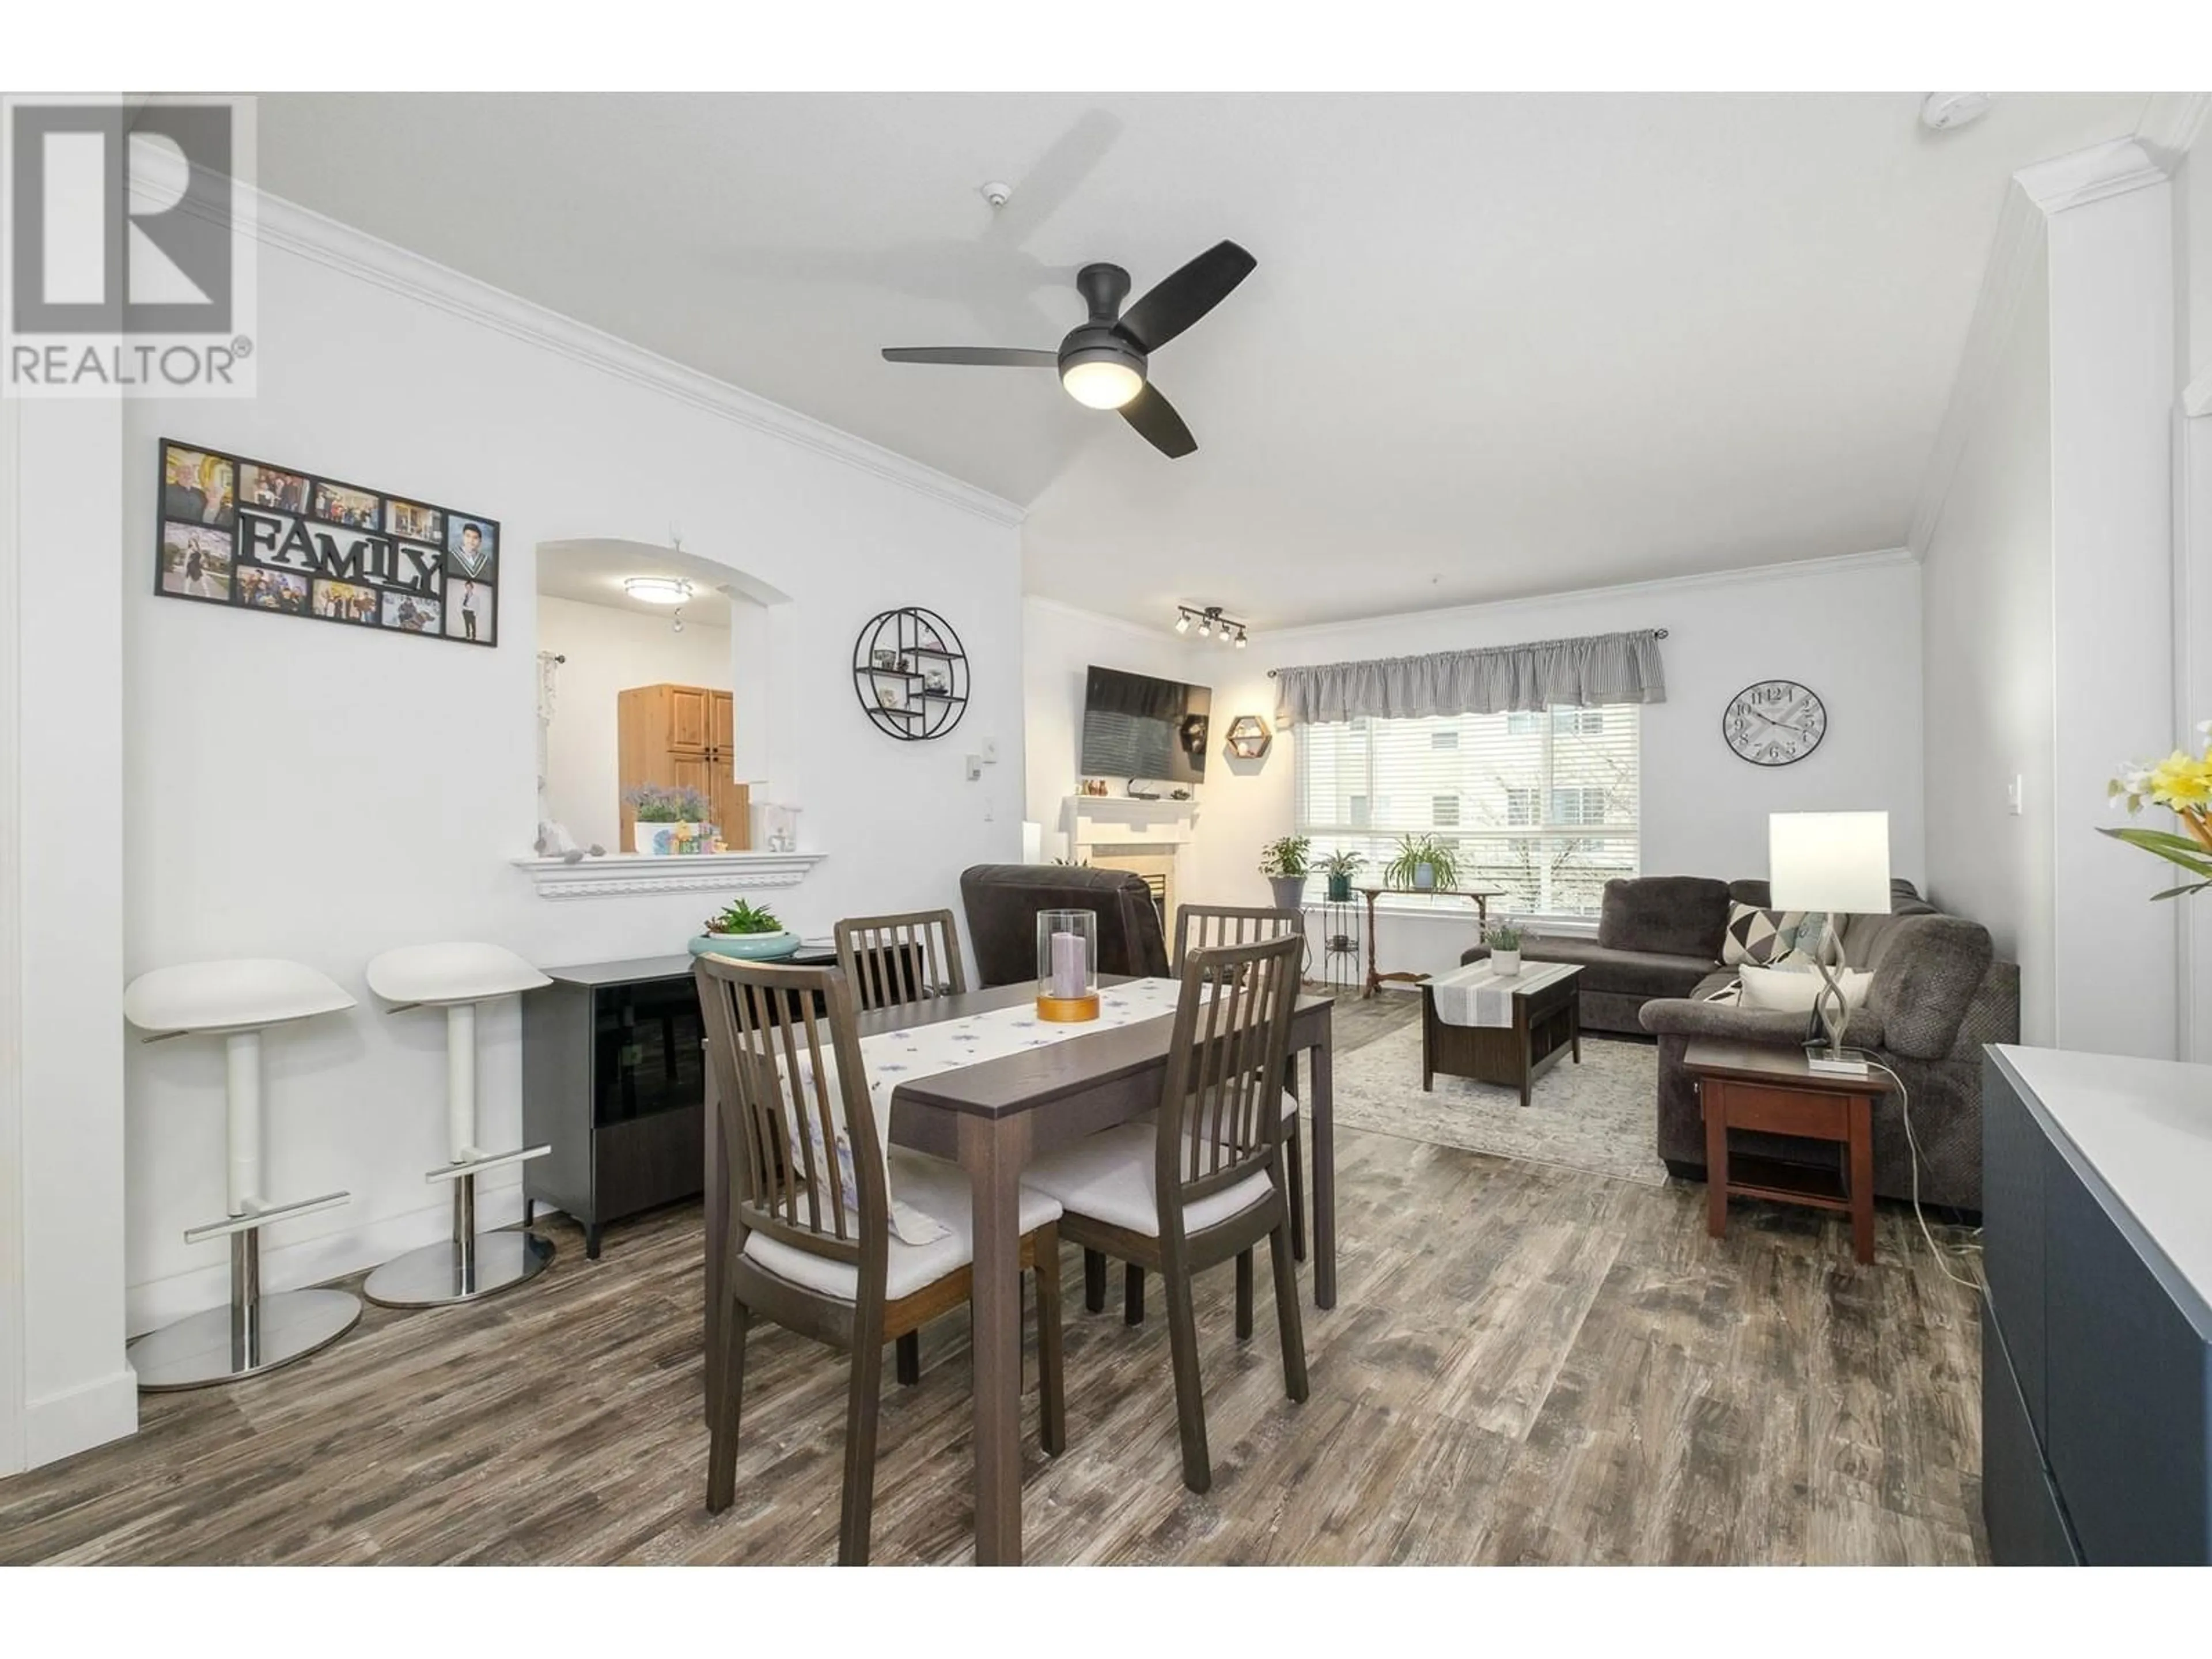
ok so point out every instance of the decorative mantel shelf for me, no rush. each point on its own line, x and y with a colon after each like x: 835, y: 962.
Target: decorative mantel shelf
x: 616, y: 873
x: 1125, y: 820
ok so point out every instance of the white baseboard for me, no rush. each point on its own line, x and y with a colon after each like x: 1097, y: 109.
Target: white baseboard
x: 317, y: 1260
x: 91, y: 1414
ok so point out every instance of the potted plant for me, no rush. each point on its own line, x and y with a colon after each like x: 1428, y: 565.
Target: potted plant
x: 1284, y: 863
x: 1341, y: 868
x: 747, y: 933
x: 1424, y: 864
x: 2181, y: 783
x: 1503, y: 940
x: 669, y: 821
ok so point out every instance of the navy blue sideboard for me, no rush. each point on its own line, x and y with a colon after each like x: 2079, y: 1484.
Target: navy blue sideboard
x: 2097, y: 1336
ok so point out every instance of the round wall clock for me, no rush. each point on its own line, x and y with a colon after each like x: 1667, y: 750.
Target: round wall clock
x: 1774, y: 722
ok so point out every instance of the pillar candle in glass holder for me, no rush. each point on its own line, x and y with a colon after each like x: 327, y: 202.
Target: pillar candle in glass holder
x: 1069, y: 964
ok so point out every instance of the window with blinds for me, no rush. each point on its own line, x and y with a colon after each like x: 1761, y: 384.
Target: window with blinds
x: 1545, y: 806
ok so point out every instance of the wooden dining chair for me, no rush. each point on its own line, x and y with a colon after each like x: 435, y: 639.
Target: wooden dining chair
x: 820, y: 1260
x: 896, y: 961
x: 1209, y: 926
x: 1203, y: 1183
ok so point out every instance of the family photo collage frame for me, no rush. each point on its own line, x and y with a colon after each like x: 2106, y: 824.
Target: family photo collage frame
x: 236, y: 532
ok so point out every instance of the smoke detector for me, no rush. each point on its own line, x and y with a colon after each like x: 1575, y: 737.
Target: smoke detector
x: 1941, y: 111
x: 996, y: 194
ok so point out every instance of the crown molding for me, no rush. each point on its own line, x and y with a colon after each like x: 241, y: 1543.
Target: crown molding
x: 693, y: 872
x: 298, y: 230
x: 1786, y: 570
x: 1163, y: 635
x: 2172, y: 123
x: 2093, y: 174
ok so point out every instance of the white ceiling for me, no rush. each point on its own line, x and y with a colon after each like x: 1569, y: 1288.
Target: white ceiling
x: 1496, y: 344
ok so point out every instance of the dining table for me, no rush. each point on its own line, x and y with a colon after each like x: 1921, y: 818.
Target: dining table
x: 993, y: 1118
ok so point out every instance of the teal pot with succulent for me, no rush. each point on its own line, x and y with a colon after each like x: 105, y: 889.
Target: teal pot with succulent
x: 1338, y: 868
x: 1424, y: 864
x: 1286, y: 864
x: 1504, y: 942
x: 747, y: 933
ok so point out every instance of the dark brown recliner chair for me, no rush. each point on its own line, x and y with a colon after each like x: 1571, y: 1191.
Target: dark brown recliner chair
x: 1002, y: 901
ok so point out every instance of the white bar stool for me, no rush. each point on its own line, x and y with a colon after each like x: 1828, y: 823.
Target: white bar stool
x: 470, y: 1264
x: 237, y: 1001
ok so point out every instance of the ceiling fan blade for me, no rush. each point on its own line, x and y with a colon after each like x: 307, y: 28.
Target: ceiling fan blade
x: 1181, y: 299
x: 973, y: 357
x: 1154, y: 418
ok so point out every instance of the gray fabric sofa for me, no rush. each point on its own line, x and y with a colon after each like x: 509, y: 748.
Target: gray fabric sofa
x: 1657, y: 936
x: 1938, y: 994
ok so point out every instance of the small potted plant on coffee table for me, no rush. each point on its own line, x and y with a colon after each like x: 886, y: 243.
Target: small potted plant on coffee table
x: 1341, y: 868
x: 669, y: 821
x: 1285, y: 864
x: 744, y: 932
x: 1503, y: 940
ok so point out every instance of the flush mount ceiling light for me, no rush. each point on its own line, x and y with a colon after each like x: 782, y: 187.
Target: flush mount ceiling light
x: 657, y: 590
x: 1212, y: 624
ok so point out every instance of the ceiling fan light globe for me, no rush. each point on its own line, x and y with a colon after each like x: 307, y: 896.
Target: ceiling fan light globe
x: 1101, y: 383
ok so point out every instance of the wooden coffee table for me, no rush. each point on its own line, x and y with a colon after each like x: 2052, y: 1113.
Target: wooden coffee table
x: 1547, y: 1022
x: 1743, y: 1085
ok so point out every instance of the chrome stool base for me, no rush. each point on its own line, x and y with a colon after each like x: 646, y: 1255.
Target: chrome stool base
x: 439, y: 1275
x: 220, y: 1346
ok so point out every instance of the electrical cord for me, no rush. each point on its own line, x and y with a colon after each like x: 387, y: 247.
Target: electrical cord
x: 1966, y: 1252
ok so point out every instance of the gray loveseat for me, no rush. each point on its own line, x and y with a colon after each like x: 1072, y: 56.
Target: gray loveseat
x: 1657, y: 936
x: 1938, y: 994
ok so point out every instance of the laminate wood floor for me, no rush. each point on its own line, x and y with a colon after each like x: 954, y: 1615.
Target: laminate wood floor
x: 1525, y: 1364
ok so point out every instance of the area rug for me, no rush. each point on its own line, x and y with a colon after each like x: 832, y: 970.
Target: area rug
x: 1601, y: 1116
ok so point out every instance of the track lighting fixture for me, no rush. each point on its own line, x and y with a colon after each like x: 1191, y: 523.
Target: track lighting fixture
x: 1212, y: 624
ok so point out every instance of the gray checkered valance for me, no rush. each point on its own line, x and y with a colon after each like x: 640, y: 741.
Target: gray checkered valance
x: 1598, y: 668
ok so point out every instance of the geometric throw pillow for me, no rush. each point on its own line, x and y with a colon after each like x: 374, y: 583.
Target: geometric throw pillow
x: 1758, y: 936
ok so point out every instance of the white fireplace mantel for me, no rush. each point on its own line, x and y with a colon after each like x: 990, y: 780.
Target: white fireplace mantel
x: 612, y: 875
x: 1122, y: 821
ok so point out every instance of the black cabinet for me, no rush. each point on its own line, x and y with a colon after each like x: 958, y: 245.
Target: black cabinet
x: 614, y: 1074
x: 2096, y: 1347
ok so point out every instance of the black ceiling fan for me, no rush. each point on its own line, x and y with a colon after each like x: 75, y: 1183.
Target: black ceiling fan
x: 1102, y: 362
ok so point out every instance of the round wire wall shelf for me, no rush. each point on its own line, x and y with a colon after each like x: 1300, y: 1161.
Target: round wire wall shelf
x: 910, y: 673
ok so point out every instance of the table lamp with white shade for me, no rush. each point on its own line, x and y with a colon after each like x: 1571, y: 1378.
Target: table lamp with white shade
x: 1839, y: 863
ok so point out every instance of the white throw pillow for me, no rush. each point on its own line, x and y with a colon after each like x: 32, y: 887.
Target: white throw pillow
x: 1793, y: 991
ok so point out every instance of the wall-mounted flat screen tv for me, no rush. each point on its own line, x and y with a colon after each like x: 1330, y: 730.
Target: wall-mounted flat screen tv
x: 1136, y: 727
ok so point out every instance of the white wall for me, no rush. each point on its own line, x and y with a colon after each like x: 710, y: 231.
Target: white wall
x: 321, y: 792
x: 2192, y: 202
x: 1986, y: 601
x: 1849, y: 628
x: 2111, y: 412
x: 1058, y: 644
x: 609, y: 651
x: 62, y: 1043
x: 2054, y: 602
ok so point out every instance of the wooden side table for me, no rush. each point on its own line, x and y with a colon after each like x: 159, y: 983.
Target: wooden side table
x: 1743, y: 1085
x: 1481, y: 895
